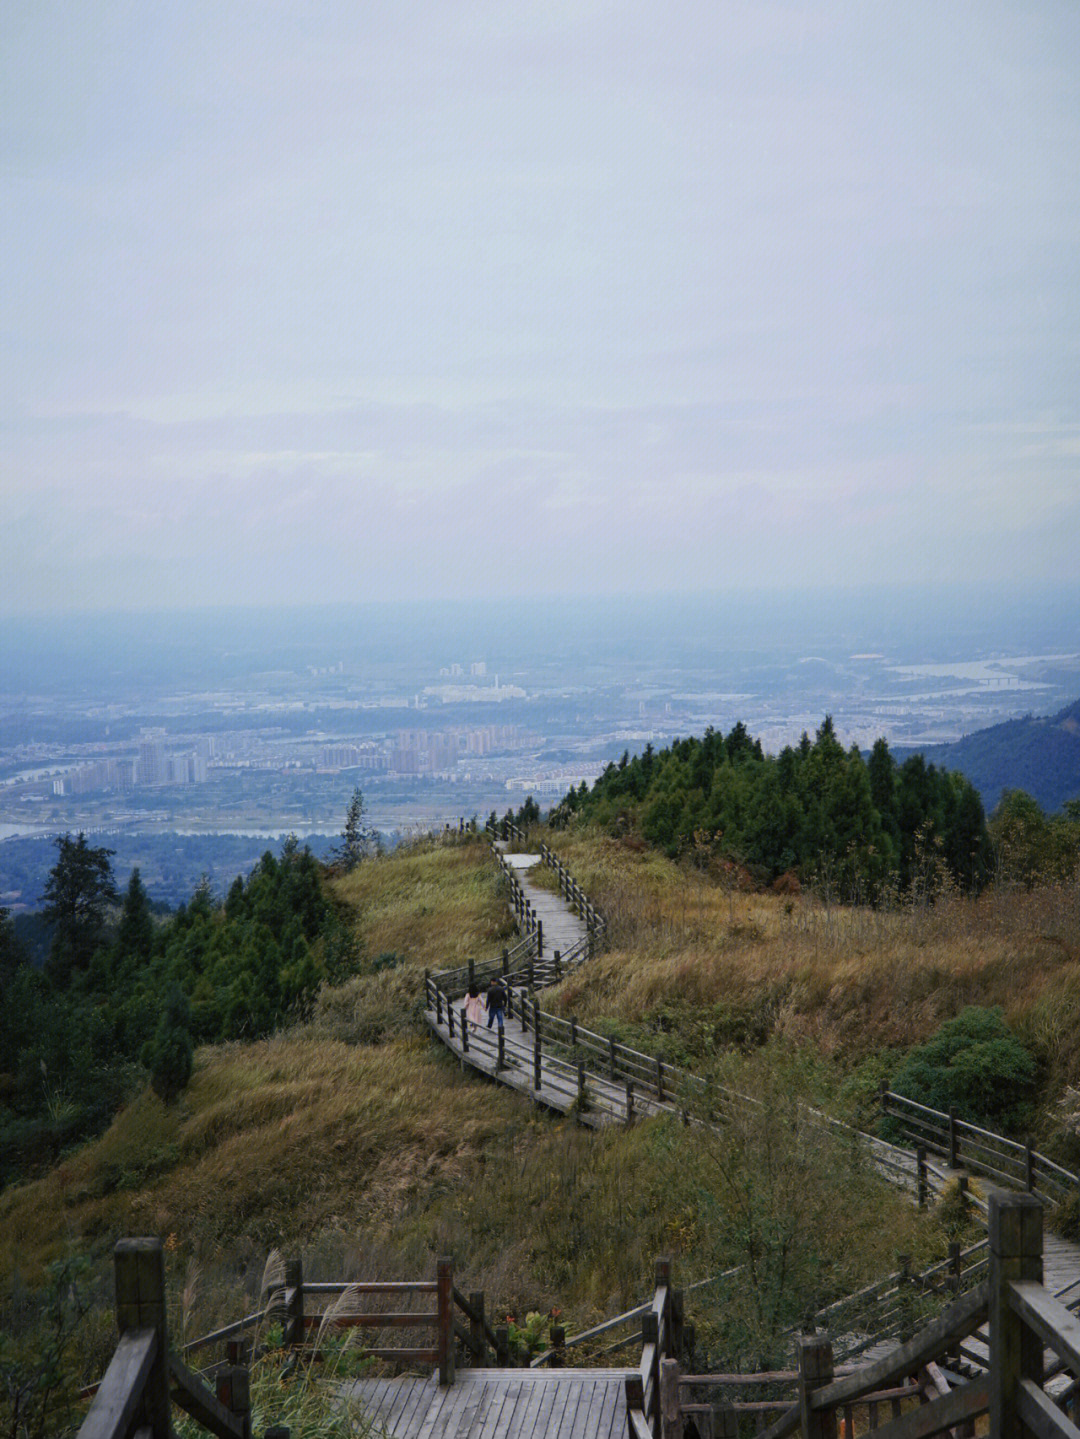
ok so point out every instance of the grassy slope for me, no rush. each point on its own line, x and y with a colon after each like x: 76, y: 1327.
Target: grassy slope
x: 691, y: 965
x: 356, y: 1139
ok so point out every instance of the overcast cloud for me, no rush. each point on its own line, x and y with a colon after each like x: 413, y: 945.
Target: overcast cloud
x: 321, y: 301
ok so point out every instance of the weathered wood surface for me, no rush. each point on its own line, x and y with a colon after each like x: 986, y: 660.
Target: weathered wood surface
x: 562, y: 927
x: 498, y: 1404
x: 558, y: 1088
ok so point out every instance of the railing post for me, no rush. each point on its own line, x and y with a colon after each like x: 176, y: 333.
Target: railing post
x: 139, y: 1266
x: 476, y: 1329
x: 464, y: 1016
x: 444, y: 1282
x: 233, y: 1390
x: 883, y: 1097
x: 573, y: 1032
x: 427, y: 988
x: 954, y: 1140
x: 815, y: 1372
x: 558, y: 966
x: 1016, y: 1352
x: 293, y: 1327
x: 558, y: 1346
x: 539, y: 939
x: 537, y: 1061
x: 635, y: 1395
x: 671, y: 1425
x: 955, y: 1265
x: 920, y: 1175
x: 582, y: 1093
x: 506, y: 961
x: 502, y: 1346
x: 450, y: 1016
x: 659, y: 1078
x: 1029, y: 1164
x: 472, y: 974
x: 500, y: 1059
x: 611, y: 1056
x: 629, y: 1101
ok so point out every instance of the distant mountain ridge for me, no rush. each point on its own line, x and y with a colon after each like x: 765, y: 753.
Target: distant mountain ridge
x: 1039, y: 754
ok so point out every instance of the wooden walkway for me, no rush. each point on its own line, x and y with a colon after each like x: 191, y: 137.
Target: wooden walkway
x: 498, y: 1404
x: 558, y: 1081
x: 562, y: 927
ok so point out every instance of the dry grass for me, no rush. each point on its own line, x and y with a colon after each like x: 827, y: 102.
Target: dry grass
x: 711, y: 965
x: 435, y: 904
x: 375, y: 1157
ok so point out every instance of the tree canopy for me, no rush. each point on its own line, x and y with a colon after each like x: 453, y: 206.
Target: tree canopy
x: 817, y: 809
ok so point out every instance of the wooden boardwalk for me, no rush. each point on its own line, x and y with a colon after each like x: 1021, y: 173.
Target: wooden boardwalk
x: 498, y: 1404
x: 562, y: 927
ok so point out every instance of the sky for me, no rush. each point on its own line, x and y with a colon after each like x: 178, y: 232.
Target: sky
x: 305, y: 303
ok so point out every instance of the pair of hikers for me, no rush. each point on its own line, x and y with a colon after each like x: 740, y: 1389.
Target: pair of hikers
x: 494, y: 1003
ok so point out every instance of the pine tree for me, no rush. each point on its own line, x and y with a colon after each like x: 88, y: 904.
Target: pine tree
x: 356, y: 837
x: 169, y: 1055
x: 79, y: 890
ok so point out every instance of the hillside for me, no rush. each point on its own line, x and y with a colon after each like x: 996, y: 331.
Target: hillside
x: 1038, y: 754
x: 353, y: 1138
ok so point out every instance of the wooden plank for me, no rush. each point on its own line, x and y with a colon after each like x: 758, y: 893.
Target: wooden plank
x: 451, y: 1416
x: 194, y: 1398
x: 1041, y: 1415
x: 487, y: 1419
x: 365, y: 1286
x: 405, y: 1356
x: 572, y: 1396
x: 956, y: 1323
x: 117, y: 1401
x: 524, y: 1423
x: 591, y: 1423
x: 547, y: 1407
x: 1056, y: 1326
x: 419, y: 1398
x: 370, y: 1321
x: 941, y: 1414
x: 439, y: 1396
x: 395, y: 1396
x: 517, y: 1425
x: 613, y: 1418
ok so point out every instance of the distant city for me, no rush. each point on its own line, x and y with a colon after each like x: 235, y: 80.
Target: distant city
x: 266, y: 733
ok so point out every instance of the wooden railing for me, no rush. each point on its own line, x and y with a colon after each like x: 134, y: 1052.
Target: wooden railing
x: 664, y: 1339
x: 133, y: 1400
x: 921, y: 1380
x: 573, y: 894
x: 978, y: 1150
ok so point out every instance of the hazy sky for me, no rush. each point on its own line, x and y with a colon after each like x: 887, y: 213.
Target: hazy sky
x: 307, y: 301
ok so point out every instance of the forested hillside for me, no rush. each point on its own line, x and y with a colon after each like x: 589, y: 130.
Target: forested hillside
x: 817, y: 811
x: 1040, y: 755
x: 123, y: 995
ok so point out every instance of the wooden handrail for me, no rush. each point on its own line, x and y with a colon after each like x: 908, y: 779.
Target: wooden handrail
x: 119, y: 1395
x: 980, y: 1146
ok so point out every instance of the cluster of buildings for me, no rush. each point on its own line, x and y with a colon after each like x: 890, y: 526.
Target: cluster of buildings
x: 421, y: 751
x: 154, y: 765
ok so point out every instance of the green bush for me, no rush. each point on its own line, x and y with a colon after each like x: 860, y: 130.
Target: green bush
x: 976, y: 1064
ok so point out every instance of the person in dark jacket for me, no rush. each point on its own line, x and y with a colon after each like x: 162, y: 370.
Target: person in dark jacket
x: 496, y: 1002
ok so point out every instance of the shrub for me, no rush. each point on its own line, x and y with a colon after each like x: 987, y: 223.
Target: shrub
x: 976, y: 1064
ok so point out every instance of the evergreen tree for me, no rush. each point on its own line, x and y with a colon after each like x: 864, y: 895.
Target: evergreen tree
x: 169, y: 1055
x: 356, y: 837
x: 135, y: 933
x: 79, y: 890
